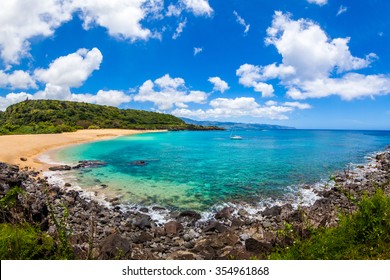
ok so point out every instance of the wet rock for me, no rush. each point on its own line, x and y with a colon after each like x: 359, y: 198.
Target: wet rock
x: 215, y: 226
x: 143, y: 223
x: 144, y: 210
x: 273, y: 211
x: 225, y: 213
x: 138, y: 163
x: 190, y: 214
x: 67, y: 185
x: 243, y: 212
x: 60, y: 168
x: 89, y: 163
x: 158, y: 208
x: 23, y: 159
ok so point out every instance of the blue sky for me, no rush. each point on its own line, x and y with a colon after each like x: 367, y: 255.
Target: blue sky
x: 302, y: 63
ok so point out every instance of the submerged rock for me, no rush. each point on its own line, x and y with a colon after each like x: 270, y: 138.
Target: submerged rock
x: 60, y: 168
x: 89, y: 163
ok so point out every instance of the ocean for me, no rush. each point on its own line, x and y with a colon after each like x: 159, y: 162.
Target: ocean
x: 199, y: 170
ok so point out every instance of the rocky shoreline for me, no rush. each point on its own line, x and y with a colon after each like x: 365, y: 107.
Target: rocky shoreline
x: 106, y: 231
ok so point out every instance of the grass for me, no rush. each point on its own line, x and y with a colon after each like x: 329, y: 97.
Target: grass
x: 364, y: 234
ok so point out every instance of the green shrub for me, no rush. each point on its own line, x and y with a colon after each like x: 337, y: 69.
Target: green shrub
x: 24, y: 242
x: 364, y: 234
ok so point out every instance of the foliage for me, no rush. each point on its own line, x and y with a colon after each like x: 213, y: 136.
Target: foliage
x: 24, y: 242
x: 364, y: 234
x: 54, y: 116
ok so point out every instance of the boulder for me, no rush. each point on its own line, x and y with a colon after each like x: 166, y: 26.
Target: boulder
x: 115, y: 247
x: 172, y: 228
x: 273, y: 211
x: 225, y: 213
x: 190, y: 214
x: 252, y: 245
x: 60, y: 168
x: 89, y: 163
x: 215, y: 226
x: 23, y: 159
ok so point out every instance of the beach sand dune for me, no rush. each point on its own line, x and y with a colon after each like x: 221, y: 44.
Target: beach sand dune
x: 14, y: 148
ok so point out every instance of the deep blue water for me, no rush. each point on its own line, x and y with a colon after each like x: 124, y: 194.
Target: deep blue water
x: 196, y: 170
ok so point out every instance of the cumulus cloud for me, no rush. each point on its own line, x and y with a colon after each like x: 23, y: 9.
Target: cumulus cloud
x: 109, y: 97
x: 167, y: 92
x: 71, y: 70
x: 63, y: 74
x: 16, y: 80
x: 196, y: 7
x: 197, y: 50
x: 251, y: 76
x: 297, y: 105
x: 341, y: 10
x: 121, y: 18
x: 313, y: 64
x: 318, y: 2
x: 242, y: 22
x: 237, y: 107
x: 348, y: 87
x: 22, y: 20
x: 219, y: 84
x: 179, y: 29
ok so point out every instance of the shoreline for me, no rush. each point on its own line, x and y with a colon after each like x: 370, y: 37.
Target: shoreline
x: 25, y: 150
x: 228, y: 233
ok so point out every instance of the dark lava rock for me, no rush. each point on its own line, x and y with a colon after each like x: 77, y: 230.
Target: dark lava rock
x: 143, y: 222
x: 190, y: 214
x: 60, y: 168
x: 68, y: 185
x: 225, y: 213
x: 158, y: 208
x: 144, y: 210
x: 172, y: 227
x: 89, y: 163
x: 115, y: 246
x: 138, y: 163
x: 252, y: 245
x: 215, y: 226
x: 273, y: 211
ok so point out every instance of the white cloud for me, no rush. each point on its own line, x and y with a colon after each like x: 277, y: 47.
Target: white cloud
x: 219, y: 84
x: 121, y: 18
x: 179, y: 29
x: 17, y: 80
x: 297, y: 105
x: 241, y: 21
x: 110, y: 97
x: 318, y: 2
x: 341, y: 10
x: 237, y: 107
x: 167, y: 92
x: 251, y: 76
x: 299, y: 40
x: 22, y: 20
x: 313, y: 65
x: 197, y: 50
x: 71, y: 70
x: 348, y: 87
x: 198, y: 7
x: 13, y: 98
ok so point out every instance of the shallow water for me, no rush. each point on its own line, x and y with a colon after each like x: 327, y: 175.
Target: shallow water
x: 199, y: 169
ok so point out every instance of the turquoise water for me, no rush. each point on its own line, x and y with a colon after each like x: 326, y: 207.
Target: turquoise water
x: 197, y: 169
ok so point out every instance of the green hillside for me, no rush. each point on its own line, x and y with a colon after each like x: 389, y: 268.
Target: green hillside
x: 53, y: 116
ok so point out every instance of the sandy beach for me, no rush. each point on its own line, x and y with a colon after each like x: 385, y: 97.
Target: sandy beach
x: 15, y: 147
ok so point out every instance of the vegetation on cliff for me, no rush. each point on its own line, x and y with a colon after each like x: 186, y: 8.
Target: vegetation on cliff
x: 54, y: 116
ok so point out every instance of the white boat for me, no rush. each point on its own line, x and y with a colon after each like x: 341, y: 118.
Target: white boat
x: 234, y: 137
